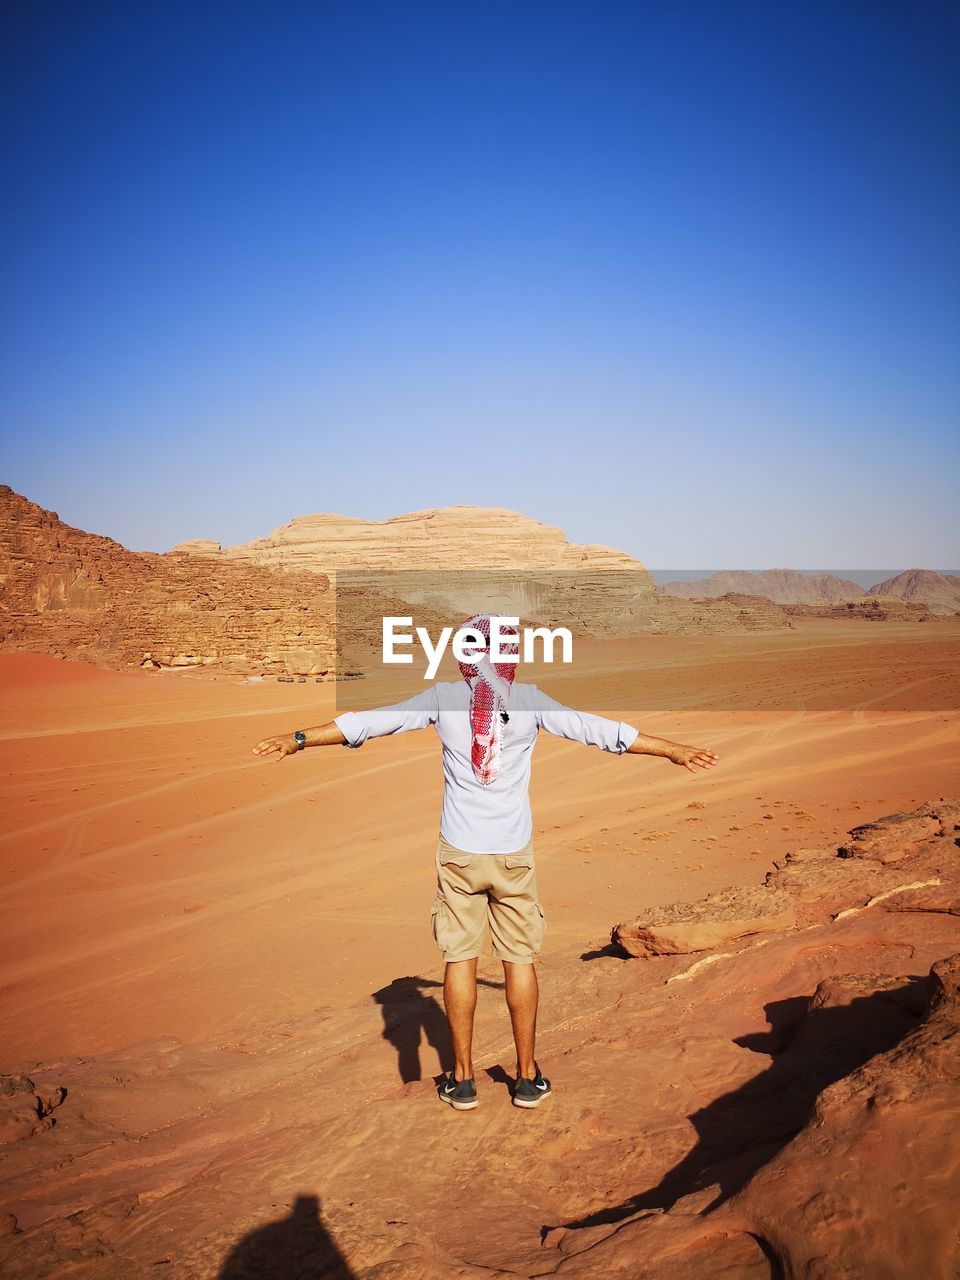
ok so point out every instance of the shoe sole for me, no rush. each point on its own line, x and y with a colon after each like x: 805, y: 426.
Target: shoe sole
x: 533, y: 1102
x: 457, y: 1104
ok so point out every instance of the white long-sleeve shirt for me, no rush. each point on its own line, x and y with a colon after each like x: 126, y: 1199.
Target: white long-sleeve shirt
x: 495, y: 818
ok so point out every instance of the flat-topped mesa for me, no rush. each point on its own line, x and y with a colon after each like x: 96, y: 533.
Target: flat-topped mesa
x: 597, y: 589
x: 463, y: 537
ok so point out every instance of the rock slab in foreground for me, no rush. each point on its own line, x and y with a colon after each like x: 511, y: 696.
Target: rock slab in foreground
x: 699, y: 926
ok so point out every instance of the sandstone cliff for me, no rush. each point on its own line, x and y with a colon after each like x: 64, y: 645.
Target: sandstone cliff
x: 467, y: 559
x: 79, y: 595
x: 440, y: 538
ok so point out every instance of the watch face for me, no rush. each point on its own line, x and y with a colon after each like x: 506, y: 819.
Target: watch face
x: 300, y: 737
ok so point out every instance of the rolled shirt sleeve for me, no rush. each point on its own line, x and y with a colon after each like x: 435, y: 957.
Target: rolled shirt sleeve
x: 581, y: 726
x: 400, y: 717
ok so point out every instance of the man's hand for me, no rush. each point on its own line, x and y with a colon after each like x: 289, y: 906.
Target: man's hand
x: 277, y: 747
x: 691, y: 758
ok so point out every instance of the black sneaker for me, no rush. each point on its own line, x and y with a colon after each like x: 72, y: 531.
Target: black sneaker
x: 461, y: 1094
x: 530, y: 1093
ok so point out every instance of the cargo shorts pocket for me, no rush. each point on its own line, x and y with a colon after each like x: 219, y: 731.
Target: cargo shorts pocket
x: 451, y: 857
x: 522, y: 859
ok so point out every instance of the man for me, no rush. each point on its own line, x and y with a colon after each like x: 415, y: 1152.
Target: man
x: 484, y: 856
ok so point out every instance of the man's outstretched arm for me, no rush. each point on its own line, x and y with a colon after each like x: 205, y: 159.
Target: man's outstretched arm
x: 615, y: 735
x: 691, y: 758
x: 324, y: 735
x: 353, y: 728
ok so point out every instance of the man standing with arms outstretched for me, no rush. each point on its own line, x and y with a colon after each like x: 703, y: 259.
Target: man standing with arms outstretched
x: 484, y: 856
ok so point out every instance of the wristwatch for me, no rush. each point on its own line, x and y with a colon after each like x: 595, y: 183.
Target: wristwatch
x: 300, y: 738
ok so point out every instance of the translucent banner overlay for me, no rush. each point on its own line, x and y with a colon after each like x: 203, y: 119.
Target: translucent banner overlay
x: 636, y: 646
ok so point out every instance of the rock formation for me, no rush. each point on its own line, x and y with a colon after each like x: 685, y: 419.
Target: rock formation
x: 905, y: 598
x: 79, y: 595
x: 939, y: 592
x: 269, y: 607
x: 441, y: 538
x: 782, y: 586
x: 866, y: 609
x: 446, y: 557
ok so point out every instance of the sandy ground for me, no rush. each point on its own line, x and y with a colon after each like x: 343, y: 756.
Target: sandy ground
x: 159, y: 880
x: 219, y: 969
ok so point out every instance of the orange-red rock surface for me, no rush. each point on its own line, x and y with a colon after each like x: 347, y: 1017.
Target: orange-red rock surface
x: 79, y: 595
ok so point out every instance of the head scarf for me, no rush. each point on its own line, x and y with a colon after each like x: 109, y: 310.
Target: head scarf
x: 489, y: 694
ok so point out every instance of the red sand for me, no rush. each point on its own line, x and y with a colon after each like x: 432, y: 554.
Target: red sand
x: 161, y: 880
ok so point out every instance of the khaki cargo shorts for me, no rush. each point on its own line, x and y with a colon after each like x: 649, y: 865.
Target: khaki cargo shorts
x: 474, y: 889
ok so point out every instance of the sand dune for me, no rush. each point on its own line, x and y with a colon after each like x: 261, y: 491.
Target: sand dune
x: 227, y: 962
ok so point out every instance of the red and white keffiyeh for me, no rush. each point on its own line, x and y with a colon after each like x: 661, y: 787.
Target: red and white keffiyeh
x: 489, y: 695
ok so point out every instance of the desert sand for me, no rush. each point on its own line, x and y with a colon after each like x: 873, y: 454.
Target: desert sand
x: 220, y: 983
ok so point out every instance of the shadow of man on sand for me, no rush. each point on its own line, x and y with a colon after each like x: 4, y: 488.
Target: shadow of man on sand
x: 298, y: 1247
x: 740, y: 1131
x: 410, y: 1014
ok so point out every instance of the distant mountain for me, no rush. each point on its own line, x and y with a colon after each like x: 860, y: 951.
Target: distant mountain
x: 940, y: 592
x: 782, y: 586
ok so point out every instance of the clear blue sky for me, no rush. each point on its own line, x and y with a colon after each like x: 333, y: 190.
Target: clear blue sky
x: 683, y: 278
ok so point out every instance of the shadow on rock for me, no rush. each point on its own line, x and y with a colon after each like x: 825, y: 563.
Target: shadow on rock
x: 612, y: 951
x: 298, y: 1247
x: 409, y: 1015
x: 812, y: 1045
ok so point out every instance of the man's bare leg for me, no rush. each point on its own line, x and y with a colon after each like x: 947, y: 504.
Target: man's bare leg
x: 460, y: 1002
x: 522, y: 995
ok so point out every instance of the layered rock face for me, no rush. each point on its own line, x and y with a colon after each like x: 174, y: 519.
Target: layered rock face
x: 78, y: 595
x: 428, y: 557
x: 866, y: 609
x: 439, y: 538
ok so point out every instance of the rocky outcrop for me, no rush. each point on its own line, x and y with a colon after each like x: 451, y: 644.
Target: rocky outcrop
x: 439, y: 538
x: 896, y: 863
x: 782, y: 586
x: 867, y: 609
x: 77, y: 595
x: 722, y: 918
x: 938, y: 592
x: 451, y: 556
